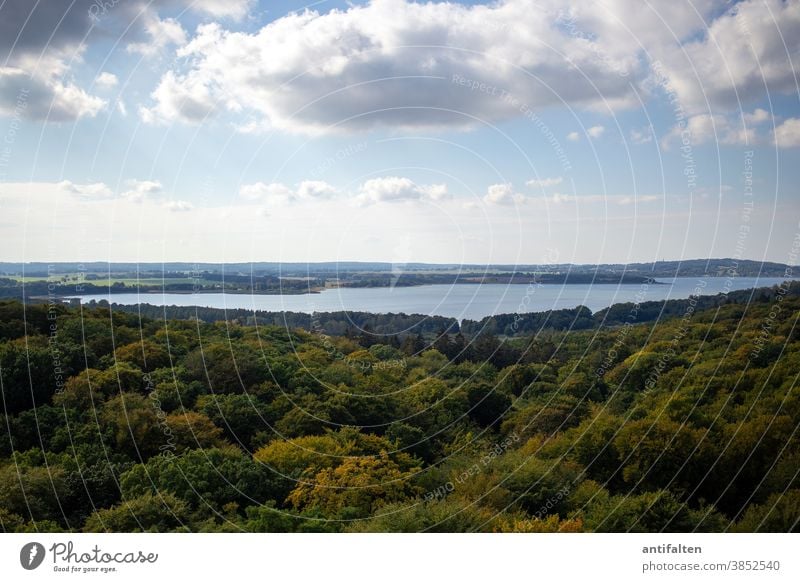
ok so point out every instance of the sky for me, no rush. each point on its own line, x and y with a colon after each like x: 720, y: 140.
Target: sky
x: 514, y: 131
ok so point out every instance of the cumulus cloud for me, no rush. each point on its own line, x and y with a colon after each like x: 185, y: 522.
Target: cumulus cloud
x: 276, y: 193
x: 595, y: 131
x: 441, y: 65
x: 397, y: 189
x: 746, y: 52
x: 787, y: 134
x: 403, y: 64
x: 185, y: 98
x: 726, y: 130
x: 230, y: 233
x: 160, y: 34
x: 88, y: 192
x: 757, y: 116
x: 37, y: 40
x: 502, y: 195
x: 27, y: 26
x: 235, y: 9
x: 615, y: 199
x: 178, y: 206
x: 628, y: 200
x: 642, y: 135
x: 44, y: 97
x: 106, y: 80
x: 311, y: 189
x: 263, y: 191
x: 373, y: 191
x: 140, y: 190
x: 40, y: 40
x: 698, y: 129
x: 544, y: 182
x: 436, y: 65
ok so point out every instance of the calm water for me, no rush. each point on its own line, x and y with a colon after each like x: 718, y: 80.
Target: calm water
x: 459, y: 301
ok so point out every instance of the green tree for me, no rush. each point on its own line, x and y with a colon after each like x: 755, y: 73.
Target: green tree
x: 150, y: 512
x: 206, y: 479
x: 780, y: 513
x: 193, y: 430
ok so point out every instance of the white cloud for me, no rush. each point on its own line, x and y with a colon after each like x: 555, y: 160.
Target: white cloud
x: 437, y: 192
x: 160, y: 33
x: 606, y: 199
x: 757, y: 116
x: 311, y: 189
x: 235, y: 9
x: 179, y: 98
x: 397, y: 189
x: 559, y: 198
x: 253, y: 127
x: 106, y: 80
x: 706, y: 127
x: 596, y: 131
x: 787, y: 134
x: 745, y: 53
x: 139, y: 190
x: 411, y: 65
x: 404, y: 65
x: 544, y: 182
x: 502, y: 195
x: 44, y: 96
x: 136, y: 191
x: 643, y: 135
x: 627, y: 200
x: 178, y: 206
x: 262, y: 191
x: 88, y: 192
x: 276, y: 193
x: 120, y: 230
x: 701, y: 128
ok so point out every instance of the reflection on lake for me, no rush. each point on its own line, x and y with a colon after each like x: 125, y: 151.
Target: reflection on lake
x: 459, y: 301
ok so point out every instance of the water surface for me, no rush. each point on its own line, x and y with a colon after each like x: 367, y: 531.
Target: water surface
x: 459, y: 301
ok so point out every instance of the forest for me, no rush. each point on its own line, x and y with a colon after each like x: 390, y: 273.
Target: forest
x: 394, y: 328
x: 682, y: 422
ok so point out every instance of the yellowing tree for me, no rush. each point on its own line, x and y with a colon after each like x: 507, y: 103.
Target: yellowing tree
x: 359, y: 484
x: 550, y: 524
x: 193, y: 430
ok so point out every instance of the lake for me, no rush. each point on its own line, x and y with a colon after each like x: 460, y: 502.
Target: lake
x: 459, y: 301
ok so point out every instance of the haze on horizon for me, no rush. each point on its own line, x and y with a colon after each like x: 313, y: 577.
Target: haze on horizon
x: 511, y: 132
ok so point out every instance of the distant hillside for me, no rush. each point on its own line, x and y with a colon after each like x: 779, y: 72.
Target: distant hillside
x: 687, y: 268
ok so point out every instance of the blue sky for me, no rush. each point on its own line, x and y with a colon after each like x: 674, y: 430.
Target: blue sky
x: 514, y: 131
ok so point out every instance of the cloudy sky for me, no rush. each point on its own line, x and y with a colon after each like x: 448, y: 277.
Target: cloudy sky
x: 512, y: 131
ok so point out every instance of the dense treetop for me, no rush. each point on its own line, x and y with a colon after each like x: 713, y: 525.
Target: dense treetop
x: 685, y: 422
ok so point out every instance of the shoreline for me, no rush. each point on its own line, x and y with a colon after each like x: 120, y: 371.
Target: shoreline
x: 319, y: 290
